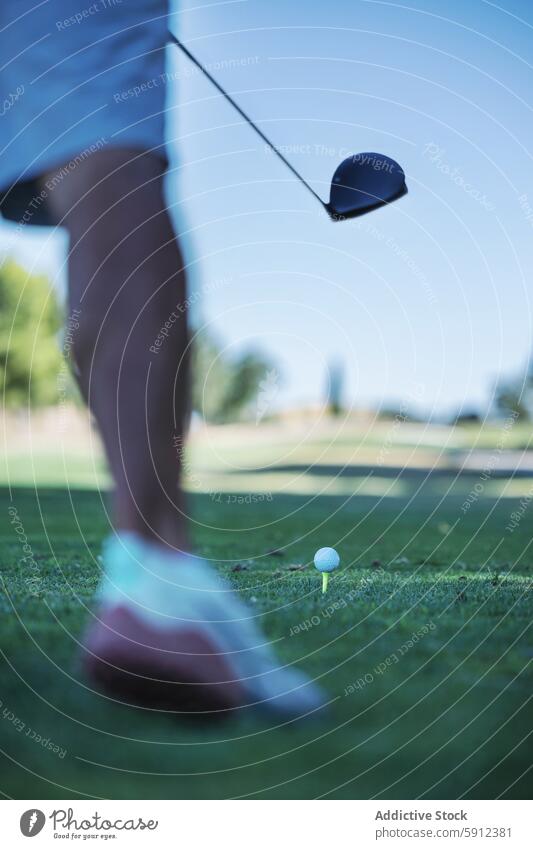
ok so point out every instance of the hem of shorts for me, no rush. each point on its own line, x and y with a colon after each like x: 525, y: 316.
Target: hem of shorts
x: 26, y: 185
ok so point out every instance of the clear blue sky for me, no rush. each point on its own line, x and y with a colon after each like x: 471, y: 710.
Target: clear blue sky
x: 428, y: 299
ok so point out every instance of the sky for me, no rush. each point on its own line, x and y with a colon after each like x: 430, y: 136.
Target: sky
x: 424, y: 303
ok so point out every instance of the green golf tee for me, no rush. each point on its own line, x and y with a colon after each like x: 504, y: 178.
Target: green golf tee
x: 325, y: 576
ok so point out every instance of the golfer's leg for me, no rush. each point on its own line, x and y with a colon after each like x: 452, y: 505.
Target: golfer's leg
x: 163, y: 636
x: 126, y: 279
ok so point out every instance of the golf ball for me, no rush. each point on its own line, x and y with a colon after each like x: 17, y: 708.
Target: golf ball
x: 326, y: 559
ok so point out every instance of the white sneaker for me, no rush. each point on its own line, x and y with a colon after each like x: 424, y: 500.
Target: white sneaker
x: 170, y: 633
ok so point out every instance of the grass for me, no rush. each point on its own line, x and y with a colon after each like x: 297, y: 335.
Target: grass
x: 422, y: 641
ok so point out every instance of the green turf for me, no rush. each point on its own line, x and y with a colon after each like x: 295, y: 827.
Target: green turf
x: 445, y: 717
x: 438, y: 721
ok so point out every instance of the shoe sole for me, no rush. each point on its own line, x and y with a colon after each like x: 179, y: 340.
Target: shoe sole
x: 178, y: 670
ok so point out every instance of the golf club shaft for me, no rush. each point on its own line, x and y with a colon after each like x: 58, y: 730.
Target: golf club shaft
x: 243, y: 114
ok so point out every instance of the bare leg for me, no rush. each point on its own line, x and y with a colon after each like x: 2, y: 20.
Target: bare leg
x: 174, y: 638
x: 126, y: 278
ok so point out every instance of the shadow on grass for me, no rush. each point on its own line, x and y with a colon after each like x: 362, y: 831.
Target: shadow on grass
x: 409, y: 473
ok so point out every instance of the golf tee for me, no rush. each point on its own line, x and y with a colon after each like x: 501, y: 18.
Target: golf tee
x: 325, y: 577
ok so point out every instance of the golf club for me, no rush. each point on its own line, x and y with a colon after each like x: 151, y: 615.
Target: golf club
x: 361, y: 183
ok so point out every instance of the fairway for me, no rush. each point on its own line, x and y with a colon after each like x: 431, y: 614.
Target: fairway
x: 421, y: 642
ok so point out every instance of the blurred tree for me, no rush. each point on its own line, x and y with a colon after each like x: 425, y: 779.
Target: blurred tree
x: 466, y: 417
x: 223, y: 387
x: 515, y: 395
x: 33, y: 371
x: 334, y: 387
x: 29, y: 353
x: 510, y: 398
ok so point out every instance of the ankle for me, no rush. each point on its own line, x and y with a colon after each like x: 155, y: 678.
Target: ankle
x: 168, y: 533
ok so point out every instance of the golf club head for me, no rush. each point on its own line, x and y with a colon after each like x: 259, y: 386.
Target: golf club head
x: 363, y: 182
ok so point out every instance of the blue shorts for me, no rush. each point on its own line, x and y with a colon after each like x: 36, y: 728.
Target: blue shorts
x: 77, y: 76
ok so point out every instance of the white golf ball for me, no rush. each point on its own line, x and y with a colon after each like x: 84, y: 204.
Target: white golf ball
x: 326, y: 559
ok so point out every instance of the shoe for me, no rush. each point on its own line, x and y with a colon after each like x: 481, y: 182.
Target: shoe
x: 170, y: 633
